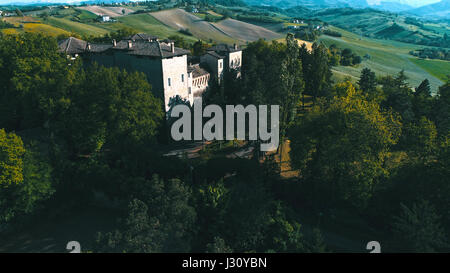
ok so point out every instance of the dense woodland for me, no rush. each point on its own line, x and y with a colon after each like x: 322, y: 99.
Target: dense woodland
x: 375, y: 152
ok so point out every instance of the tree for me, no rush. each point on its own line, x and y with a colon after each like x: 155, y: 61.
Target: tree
x: 442, y: 109
x: 34, y: 79
x: 368, y: 83
x: 199, y: 48
x: 317, y: 74
x: 419, y: 228
x: 160, y: 219
x: 340, y: 148
x: 218, y: 246
x: 423, y: 89
x: 37, y: 186
x: 422, y: 100
x: 11, y: 159
x: 292, y: 85
x: 398, y: 96
x: 420, y: 138
x: 110, y: 107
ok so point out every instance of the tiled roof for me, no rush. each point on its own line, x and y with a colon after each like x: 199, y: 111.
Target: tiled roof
x: 224, y: 48
x: 153, y: 49
x: 197, y: 71
x: 72, y: 45
x: 214, y: 54
x: 141, y: 36
x: 98, y: 47
x: 139, y: 47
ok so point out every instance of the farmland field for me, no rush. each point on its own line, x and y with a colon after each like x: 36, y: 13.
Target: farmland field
x: 79, y: 28
x: 386, y: 58
x: 179, y: 19
x: 148, y: 24
x: 110, y: 11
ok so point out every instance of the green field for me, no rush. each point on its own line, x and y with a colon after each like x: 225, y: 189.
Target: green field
x: 148, y: 24
x: 437, y: 68
x: 386, y: 58
x: 75, y: 27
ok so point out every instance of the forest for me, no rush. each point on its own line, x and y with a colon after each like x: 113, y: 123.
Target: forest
x: 375, y: 152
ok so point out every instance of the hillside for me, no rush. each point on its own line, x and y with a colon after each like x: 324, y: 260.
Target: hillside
x: 441, y: 9
x: 110, y: 11
x: 314, y: 4
x: 228, y: 30
x: 386, y: 57
x: 384, y: 25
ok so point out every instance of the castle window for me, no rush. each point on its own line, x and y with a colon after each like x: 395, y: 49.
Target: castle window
x: 190, y: 90
x: 169, y: 82
x: 182, y: 77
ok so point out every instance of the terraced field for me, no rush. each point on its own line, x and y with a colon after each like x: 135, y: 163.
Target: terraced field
x: 179, y: 19
x: 148, y: 24
x: 246, y: 32
x: 227, y: 31
x: 110, y: 11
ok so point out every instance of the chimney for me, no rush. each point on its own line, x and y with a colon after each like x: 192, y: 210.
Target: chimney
x: 235, y: 47
x: 130, y: 44
x: 172, y: 47
x: 88, y: 47
x: 114, y: 42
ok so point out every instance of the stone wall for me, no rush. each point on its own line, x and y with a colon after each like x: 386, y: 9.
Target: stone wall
x: 175, y: 79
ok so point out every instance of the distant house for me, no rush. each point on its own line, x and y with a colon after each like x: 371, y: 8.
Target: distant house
x: 105, y: 18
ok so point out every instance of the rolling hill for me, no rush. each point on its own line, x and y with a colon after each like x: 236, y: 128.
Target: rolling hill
x: 387, y: 58
x: 440, y: 9
x: 228, y: 30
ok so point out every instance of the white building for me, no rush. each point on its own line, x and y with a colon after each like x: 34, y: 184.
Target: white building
x: 165, y: 65
x: 106, y: 18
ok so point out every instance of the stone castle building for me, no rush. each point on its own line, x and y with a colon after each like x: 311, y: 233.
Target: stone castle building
x: 165, y: 65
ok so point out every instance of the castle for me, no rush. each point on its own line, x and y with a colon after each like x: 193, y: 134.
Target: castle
x: 166, y: 66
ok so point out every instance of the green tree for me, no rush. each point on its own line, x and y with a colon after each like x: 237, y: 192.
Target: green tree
x: 340, y: 148
x: 368, y: 83
x: 422, y: 100
x: 199, y: 48
x: 110, y: 107
x: 419, y: 228
x: 34, y: 79
x: 398, y: 96
x: 420, y: 138
x: 12, y: 151
x: 441, y: 113
x: 318, y: 73
x: 160, y: 219
x: 37, y: 186
x: 292, y: 85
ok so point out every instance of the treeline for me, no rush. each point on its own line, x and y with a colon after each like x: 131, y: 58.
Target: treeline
x: 432, y: 53
x: 345, y: 57
x: 4, y: 24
